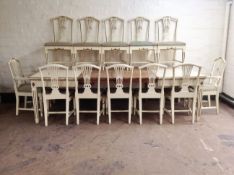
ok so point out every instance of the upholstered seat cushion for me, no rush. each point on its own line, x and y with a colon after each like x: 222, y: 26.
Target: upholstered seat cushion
x: 171, y: 43
x: 58, y: 44
x: 25, y: 88
x: 87, y: 44
x: 141, y: 43
x: 114, y: 44
x: 208, y: 88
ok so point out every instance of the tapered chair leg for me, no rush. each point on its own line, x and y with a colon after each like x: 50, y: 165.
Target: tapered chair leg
x: 172, y: 110
x: 140, y: 110
x: 193, y: 110
x: 45, y: 113
x: 77, y: 111
x: 109, y: 110
x: 98, y: 111
x: 17, y: 105
x: 161, y: 110
x: 217, y: 102
x: 67, y: 112
x: 130, y: 111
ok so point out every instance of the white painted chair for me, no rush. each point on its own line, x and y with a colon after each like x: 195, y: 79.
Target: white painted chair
x: 152, y: 90
x: 114, y: 41
x: 139, y: 39
x: 184, y: 88
x: 166, y: 40
x: 89, y: 40
x: 211, y: 85
x: 22, y: 86
x: 51, y: 76
x: 87, y: 86
x: 62, y: 32
x: 120, y: 88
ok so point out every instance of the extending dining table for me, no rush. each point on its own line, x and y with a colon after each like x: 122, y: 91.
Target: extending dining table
x: 36, y: 82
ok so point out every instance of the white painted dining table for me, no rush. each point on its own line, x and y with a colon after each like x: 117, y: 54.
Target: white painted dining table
x: 36, y: 82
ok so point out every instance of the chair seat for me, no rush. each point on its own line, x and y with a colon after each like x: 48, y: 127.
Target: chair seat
x: 115, y: 44
x: 141, y: 43
x: 87, y: 44
x: 58, y: 44
x: 208, y: 88
x: 171, y: 43
x: 25, y: 88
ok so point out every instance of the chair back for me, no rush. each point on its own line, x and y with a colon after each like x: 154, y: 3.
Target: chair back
x: 62, y: 28
x: 153, y: 71
x: 114, y: 29
x: 89, y: 29
x: 16, y: 73
x: 87, y: 79
x: 119, y: 79
x: 166, y: 29
x: 139, y: 29
x: 51, y: 76
x: 217, y: 71
x: 188, y: 72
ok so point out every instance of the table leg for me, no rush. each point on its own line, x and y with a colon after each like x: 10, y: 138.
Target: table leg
x: 35, y: 102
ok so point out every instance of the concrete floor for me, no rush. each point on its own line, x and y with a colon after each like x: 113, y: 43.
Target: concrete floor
x: 205, y: 148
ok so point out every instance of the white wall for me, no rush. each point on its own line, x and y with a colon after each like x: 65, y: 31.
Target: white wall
x: 228, y: 86
x: 25, y: 26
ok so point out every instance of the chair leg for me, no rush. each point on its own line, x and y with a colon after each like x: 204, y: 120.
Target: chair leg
x: 194, y: 110
x: 172, y: 110
x: 77, y: 111
x: 209, y: 101
x: 41, y: 106
x: 161, y: 110
x: 134, y: 105
x: 217, y: 102
x: 67, y: 111
x: 17, y: 105
x: 25, y: 101
x: 109, y: 110
x: 140, y: 110
x: 46, y: 112
x: 200, y: 103
x: 98, y: 111
x: 130, y: 111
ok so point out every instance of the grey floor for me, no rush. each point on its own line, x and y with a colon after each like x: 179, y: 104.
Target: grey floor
x: 205, y: 148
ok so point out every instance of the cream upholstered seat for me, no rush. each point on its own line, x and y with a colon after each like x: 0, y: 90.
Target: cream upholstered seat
x: 114, y: 44
x: 87, y: 87
x: 187, y: 89
x: 211, y: 85
x: 58, y: 44
x: 171, y: 43
x: 55, y: 73
x: 152, y: 90
x: 22, y: 86
x: 120, y: 88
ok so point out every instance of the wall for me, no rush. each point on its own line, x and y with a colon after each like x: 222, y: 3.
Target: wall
x: 228, y: 86
x: 25, y: 26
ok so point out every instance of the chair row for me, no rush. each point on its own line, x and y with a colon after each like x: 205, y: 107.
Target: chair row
x: 113, y: 29
x: 119, y: 86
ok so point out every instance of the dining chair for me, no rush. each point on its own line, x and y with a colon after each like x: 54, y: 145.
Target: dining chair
x: 139, y: 39
x: 22, y: 86
x: 119, y: 86
x: 114, y: 41
x: 166, y: 40
x: 51, y: 77
x: 211, y: 85
x: 150, y: 89
x: 89, y: 41
x: 62, y: 39
x: 87, y: 86
x: 185, y: 86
